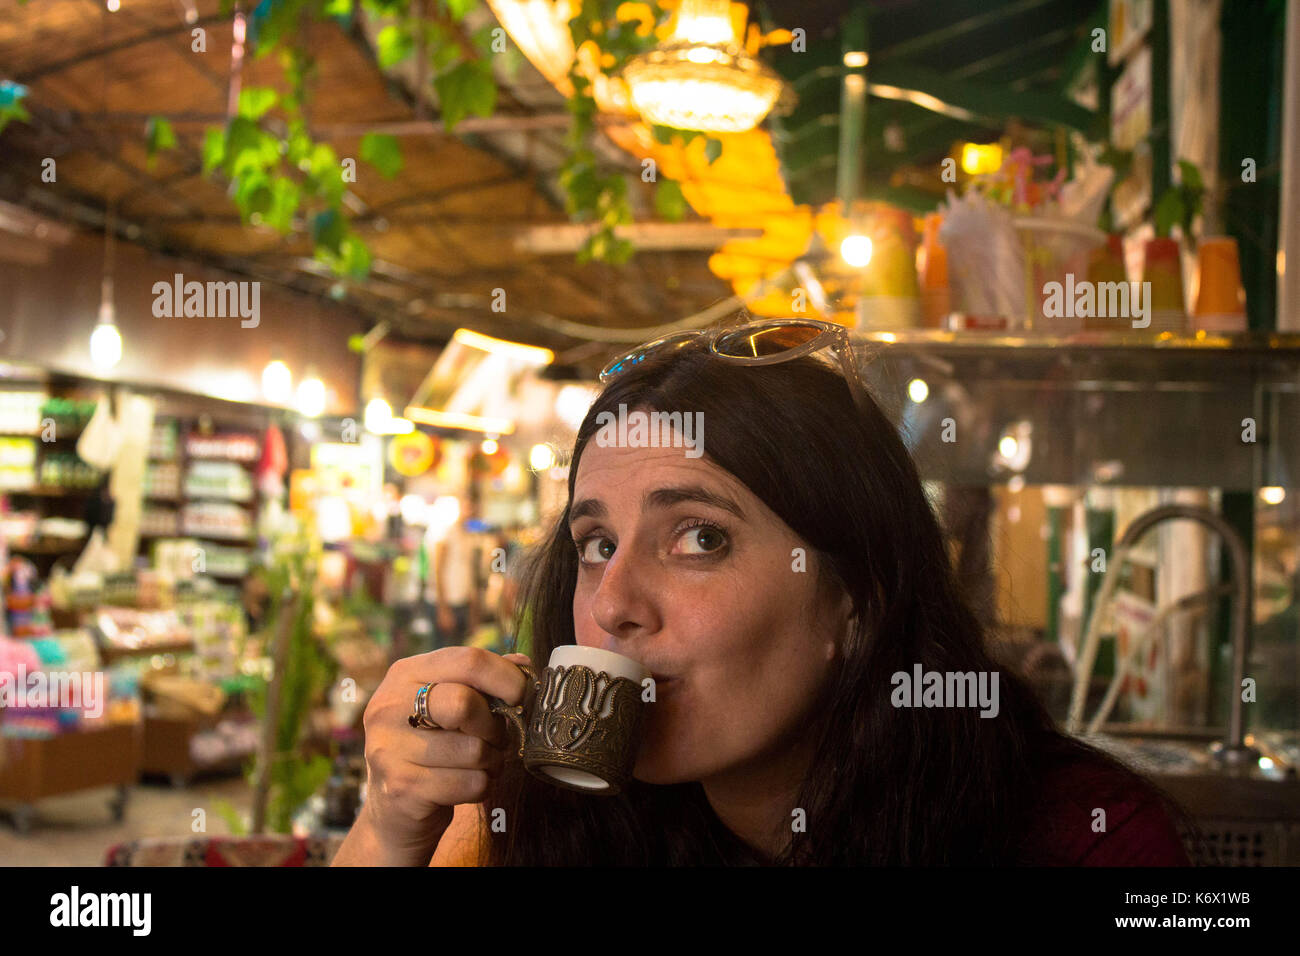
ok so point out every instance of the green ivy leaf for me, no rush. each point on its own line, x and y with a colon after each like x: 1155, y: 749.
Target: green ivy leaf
x: 444, y: 56
x: 339, y: 9
x: 1168, y: 211
x: 669, y: 201
x: 214, y: 150
x: 581, y: 186
x: 243, y: 147
x: 11, y: 107
x: 466, y: 88
x: 459, y: 8
x: 381, y: 151
x: 619, y: 252
x: 285, y: 195
x: 663, y: 134
x: 395, y: 44
x: 1190, y: 175
x: 328, y: 231
x: 252, y: 193
x: 298, y: 144
x: 256, y: 101
x: 325, y: 174
x: 159, y: 135
x: 482, y: 40
x: 354, y: 258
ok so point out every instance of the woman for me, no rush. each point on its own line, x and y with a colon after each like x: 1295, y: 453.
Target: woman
x: 775, y: 585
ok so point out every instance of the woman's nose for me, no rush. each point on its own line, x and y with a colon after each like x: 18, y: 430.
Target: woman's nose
x: 623, y: 605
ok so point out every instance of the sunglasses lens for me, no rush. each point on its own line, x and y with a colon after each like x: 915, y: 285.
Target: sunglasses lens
x: 765, y: 342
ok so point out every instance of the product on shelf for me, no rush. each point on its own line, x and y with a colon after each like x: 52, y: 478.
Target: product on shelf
x: 216, y: 519
x: 27, y: 603
x: 17, y: 463
x: 162, y: 480
x: 160, y: 522
x: 231, y: 447
x: 225, y: 480
x: 20, y: 412
x: 163, y: 442
x: 63, y: 470
x: 68, y: 414
x: 125, y: 629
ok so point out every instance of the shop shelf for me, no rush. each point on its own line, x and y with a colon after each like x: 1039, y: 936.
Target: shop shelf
x: 33, y: 769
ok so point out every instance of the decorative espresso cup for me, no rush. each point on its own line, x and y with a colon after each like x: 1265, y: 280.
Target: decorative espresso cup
x: 580, y: 723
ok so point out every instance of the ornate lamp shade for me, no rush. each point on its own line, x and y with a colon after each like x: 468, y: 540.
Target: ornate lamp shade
x: 701, y: 78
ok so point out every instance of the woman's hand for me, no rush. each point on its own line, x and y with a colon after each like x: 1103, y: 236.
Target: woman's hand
x: 416, y: 776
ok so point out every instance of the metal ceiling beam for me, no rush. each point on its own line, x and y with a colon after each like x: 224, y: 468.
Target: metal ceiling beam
x: 974, y: 102
x: 554, y: 238
x: 928, y: 41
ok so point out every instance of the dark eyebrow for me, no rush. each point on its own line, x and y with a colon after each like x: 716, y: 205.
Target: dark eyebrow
x: 660, y: 498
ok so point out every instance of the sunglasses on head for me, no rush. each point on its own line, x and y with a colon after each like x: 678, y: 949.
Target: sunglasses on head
x: 765, y: 342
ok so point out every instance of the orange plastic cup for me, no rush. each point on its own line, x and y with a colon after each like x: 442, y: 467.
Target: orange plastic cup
x: 1164, y: 270
x: 1220, y: 292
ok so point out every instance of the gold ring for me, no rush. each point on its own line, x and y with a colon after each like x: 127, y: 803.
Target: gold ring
x: 420, y: 717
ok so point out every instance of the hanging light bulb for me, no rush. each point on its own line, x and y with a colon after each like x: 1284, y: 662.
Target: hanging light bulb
x: 105, y: 344
x: 489, y: 446
x: 106, y: 340
x: 856, y: 250
x: 277, y: 382
x: 311, y: 396
x: 114, y: 5
x: 701, y: 78
x: 379, y: 417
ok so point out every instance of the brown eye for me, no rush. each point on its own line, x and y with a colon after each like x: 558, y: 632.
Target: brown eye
x: 602, y: 551
x: 703, y: 539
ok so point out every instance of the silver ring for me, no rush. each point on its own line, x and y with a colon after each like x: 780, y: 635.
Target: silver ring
x: 420, y: 717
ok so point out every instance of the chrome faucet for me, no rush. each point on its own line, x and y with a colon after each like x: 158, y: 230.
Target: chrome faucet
x: 1232, y: 750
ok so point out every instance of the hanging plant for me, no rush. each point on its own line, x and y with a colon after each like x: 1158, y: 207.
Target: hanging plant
x: 282, y: 178
x: 11, y: 103
x: 1181, y: 203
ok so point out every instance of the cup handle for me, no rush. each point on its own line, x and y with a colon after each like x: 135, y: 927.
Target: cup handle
x: 514, y: 713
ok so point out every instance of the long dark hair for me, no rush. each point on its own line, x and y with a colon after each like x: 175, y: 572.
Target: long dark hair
x: 886, y: 785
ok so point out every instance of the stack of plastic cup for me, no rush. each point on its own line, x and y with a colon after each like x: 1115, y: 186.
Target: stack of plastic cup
x: 1220, y: 300
x: 1164, y: 270
x: 936, y: 297
x: 1106, y: 265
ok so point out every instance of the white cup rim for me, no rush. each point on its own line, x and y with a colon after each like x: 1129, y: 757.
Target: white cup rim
x: 598, y: 659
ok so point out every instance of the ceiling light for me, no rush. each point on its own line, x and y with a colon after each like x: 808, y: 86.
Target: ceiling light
x: 856, y: 250
x: 311, y: 397
x: 701, y: 78
x: 277, y: 382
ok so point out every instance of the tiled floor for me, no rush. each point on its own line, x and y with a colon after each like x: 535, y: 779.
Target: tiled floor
x: 77, y: 830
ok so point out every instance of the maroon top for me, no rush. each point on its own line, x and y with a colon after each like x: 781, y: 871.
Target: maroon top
x: 1138, y: 829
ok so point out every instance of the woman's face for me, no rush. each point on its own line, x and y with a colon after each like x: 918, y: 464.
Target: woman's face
x: 683, y: 569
